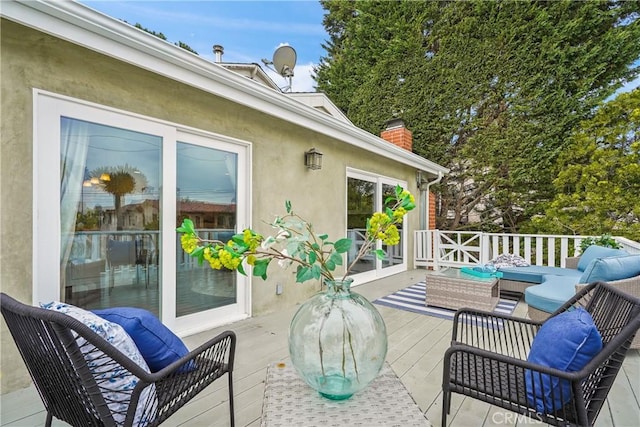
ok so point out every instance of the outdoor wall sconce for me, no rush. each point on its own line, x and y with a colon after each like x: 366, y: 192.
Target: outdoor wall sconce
x: 313, y: 159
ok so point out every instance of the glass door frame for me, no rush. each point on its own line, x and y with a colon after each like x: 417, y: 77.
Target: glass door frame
x: 241, y: 309
x: 47, y: 111
x: 379, y: 181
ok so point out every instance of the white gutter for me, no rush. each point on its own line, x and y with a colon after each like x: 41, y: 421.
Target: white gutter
x: 424, y: 196
x: 86, y: 27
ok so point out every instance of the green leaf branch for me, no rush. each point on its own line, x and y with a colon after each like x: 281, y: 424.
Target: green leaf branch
x: 295, y: 242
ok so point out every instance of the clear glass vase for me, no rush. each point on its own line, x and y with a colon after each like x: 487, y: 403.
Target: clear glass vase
x: 338, y: 341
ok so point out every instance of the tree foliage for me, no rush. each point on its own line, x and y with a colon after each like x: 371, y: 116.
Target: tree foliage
x: 491, y: 90
x: 598, y: 186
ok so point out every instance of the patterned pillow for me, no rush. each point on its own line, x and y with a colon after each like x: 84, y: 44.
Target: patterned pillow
x: 113, y: 382
x: 508, y: 260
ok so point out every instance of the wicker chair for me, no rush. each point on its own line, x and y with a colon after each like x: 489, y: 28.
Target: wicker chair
x: 491, y: 364
x: 50, y: 344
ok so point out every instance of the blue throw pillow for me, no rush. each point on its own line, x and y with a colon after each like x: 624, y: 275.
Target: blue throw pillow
x: 158, y: 345
x: 566, y: 342
x: 595, y: 251
x: 615, y: 268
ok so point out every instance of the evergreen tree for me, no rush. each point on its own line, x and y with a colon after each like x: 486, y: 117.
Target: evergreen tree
x: 491, y: 90
x: 598, y: 186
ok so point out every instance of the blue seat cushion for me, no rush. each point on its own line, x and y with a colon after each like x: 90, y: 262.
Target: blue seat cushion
x: 595, y: 251
x: 566, y: 342
x: 536, y: 273
x: 552, y: 293
x: 616, y: 268
x: 158, y: 345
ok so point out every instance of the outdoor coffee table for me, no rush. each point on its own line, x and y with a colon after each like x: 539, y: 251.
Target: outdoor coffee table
x: 451, y: 288
x: 289, y: 401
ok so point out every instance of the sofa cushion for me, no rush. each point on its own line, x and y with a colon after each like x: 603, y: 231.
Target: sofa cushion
x: 552, y: 293
x: 595, y: 251
x: 158, y: 345
x: 116, y: 385
x: 536, y: 273
x: 566, y: 342
x: 607, y: 269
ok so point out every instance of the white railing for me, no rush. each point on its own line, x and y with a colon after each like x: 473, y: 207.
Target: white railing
x: 436, y: 248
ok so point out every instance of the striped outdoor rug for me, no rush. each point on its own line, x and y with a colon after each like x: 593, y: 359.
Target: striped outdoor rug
x: 412, y: 299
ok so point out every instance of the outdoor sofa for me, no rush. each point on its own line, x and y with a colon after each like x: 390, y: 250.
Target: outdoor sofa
x: 545, y: 288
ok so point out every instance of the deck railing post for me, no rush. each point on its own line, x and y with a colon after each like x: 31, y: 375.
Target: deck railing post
x: 436, y: 250
x: 484, y: 248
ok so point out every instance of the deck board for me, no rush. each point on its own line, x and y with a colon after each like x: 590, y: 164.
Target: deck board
x: 416, y: 346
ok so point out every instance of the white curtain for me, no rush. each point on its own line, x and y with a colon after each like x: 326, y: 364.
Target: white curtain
x: 74, y: 144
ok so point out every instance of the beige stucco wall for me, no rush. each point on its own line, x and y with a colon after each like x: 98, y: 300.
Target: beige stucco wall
x: 30, y: 59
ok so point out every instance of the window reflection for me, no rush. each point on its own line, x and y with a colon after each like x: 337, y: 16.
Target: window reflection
x: 394, y: 252
x: 207, y: 195
x: 360, y: 206
x: 109, y: 215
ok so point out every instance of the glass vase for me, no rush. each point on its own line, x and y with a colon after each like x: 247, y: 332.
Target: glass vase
x: 337, y: 341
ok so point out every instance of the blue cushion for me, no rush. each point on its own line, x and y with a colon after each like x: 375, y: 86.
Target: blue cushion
x: 595, y: 251
x: 536, y: 273
x: 566, y: 342
x: 552, y: 293
x: 158, y: 345
x: 606, y: 269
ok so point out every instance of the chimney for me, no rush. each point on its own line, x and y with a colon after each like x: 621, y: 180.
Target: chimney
x: 218, y: 51
x: 398, y: 135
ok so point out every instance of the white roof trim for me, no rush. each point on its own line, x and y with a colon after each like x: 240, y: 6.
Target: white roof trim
x: 255, y: 69
x: 321, y: 102
x: 86, y: 27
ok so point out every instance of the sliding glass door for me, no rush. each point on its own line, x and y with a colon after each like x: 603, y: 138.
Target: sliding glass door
x: 209, y: 200
x: 365, y: 195
x: 110, y: 189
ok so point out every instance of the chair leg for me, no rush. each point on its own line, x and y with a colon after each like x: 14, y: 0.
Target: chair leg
x: 446, y: 406
x: 232, y: 417
x: 49, y: 420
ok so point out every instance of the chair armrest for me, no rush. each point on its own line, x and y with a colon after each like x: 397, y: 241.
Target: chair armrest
x: 492, y: 331
x: 484, y: 358
x: 183, y: 379
x: 220, y: 348
x: 572, y: 262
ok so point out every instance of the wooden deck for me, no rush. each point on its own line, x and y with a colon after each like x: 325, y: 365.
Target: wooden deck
x: 416, y: 345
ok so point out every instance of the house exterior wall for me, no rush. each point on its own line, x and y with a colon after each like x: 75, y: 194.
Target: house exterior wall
x: 32, y: 59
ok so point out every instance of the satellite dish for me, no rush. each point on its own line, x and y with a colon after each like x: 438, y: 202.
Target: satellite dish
x: 284, y: 60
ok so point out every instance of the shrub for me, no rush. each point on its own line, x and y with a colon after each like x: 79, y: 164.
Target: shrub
x: 605, y: 240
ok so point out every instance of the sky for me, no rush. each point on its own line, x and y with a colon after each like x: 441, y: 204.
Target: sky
x: 248, y: 30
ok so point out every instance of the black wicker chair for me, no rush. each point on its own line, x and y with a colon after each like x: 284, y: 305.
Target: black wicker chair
x: 50, y: 344
x: 490, y: 364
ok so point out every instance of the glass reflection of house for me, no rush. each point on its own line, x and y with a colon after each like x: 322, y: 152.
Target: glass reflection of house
x: 143, y: 215
x: 209, y: 215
